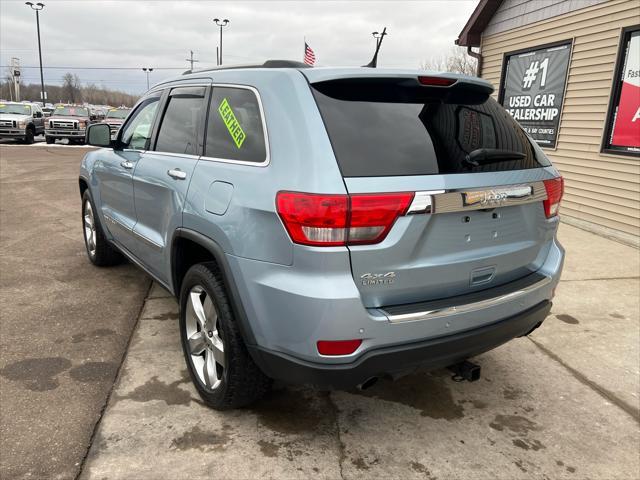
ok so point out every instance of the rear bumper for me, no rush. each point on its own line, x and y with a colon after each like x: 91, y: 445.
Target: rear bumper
x: 428, y: 354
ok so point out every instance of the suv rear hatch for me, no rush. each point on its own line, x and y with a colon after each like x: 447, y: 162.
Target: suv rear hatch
x: 476, y: 218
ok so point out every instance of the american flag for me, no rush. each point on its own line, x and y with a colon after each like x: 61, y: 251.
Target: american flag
x: 309, y: 56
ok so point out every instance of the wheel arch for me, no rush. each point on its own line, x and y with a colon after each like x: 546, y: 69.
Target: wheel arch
x: 83, y: 184
x: 188, y: 248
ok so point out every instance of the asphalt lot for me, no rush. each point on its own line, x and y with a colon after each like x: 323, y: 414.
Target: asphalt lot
x: 563, y: 403
x: 64, y: 324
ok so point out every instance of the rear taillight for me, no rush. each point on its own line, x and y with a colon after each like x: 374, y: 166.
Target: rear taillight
x: 338, y: 347
x: 436, y: 81
x: 337, y: 220
x: 555, y: 189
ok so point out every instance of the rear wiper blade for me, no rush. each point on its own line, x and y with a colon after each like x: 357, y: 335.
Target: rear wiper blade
x: 491, y: 155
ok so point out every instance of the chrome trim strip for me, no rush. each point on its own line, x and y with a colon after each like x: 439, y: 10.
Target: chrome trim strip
x: 122, y: 226
x: 462, y: 200
x: 423, y: 202
x: 172, y: 154
x: 113, y: 221
x: 148, y: 241
x: 468, y: 307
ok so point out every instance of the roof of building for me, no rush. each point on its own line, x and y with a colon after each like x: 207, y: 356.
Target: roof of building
x: 471, y: 34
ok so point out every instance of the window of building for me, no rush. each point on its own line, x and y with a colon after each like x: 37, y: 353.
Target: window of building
x: 181, y: 128
x: 235, y: 130
x: 622, y: 132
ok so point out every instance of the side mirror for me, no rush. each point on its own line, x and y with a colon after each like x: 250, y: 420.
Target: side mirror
x: 99, y: 135
x: 38, y: 114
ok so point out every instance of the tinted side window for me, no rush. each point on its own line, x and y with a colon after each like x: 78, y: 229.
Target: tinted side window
x: 181, y: 127
x: 137, y: 131
x: 235, y: 130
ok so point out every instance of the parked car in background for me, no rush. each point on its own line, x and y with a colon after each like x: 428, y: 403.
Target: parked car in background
x: 115, y: 118
x: 70, y: 122
x: 328, y: 226
x: 48, y: 109
x: 22, y: 121
x: 97, y: 113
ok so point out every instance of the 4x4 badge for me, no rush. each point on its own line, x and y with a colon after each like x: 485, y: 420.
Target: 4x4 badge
x: 377, y: 278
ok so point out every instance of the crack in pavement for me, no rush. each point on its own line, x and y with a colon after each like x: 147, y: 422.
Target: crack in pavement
x: 599, y: 279
x: 603, y: 392
x: 336, y: 412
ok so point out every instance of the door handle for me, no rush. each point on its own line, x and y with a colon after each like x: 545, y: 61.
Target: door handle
x: 126, y: 164
x: 177, y: 174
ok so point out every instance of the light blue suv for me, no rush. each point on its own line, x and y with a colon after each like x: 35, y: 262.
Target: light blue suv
x: 327, y: 225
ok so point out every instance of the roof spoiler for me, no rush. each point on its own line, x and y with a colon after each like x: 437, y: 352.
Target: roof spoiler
x: 414, y: 88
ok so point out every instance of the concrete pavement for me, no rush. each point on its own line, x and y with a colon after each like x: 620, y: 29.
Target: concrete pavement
x: 64, y: 324
x: 561, y: 404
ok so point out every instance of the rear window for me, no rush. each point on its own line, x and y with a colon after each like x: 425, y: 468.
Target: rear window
x: 393, y: 127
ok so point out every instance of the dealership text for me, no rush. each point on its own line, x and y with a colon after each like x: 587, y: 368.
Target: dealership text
x: 543, y: 107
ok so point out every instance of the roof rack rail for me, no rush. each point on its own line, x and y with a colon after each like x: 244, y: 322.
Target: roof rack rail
x: 267, y: 64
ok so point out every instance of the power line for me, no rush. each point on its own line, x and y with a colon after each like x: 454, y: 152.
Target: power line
x: 98, y: 68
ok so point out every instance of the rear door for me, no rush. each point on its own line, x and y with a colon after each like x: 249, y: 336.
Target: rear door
x: 163, y: 174
x: 477, y: 218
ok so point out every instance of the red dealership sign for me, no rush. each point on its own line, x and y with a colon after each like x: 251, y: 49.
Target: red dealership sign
x: 625, y: 114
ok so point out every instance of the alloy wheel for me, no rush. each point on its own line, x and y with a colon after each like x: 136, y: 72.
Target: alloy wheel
x: 89, y: 228
x: 203, y: 338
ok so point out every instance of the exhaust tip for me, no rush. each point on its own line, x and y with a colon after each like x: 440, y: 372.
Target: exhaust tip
x: 368, y: 383
x: 465, y: 370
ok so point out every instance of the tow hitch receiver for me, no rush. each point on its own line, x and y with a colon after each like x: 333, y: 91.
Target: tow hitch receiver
x: 465, y: 370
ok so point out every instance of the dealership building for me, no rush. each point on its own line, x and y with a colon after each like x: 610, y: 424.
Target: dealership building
x: 569, y: 72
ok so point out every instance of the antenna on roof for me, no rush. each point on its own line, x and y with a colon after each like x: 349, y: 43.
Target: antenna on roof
x: 379, y: 37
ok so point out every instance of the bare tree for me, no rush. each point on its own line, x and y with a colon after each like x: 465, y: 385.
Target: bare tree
x: 91, y: 93
x: 71, y: 88
x: 456, y: 60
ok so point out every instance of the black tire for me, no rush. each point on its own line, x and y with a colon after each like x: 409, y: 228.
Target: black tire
x: 29, y: 136
x: 50, y: 140
x: 241, y: 381
x: 102, y: 254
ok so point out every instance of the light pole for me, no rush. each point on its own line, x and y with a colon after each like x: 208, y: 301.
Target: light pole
x: 376, y: 36
x: 37, y: 7
x: 221, y: 24
x: 147, y: 70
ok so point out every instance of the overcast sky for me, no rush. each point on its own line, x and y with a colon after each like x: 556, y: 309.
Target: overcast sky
x: 94, y: 33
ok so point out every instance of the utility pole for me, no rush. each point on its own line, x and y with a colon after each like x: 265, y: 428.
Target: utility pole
x: 221, y: 24
x: 191, y: 60
x: 37, y: 7
x: 147, y: 70
x: 379, y: 37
